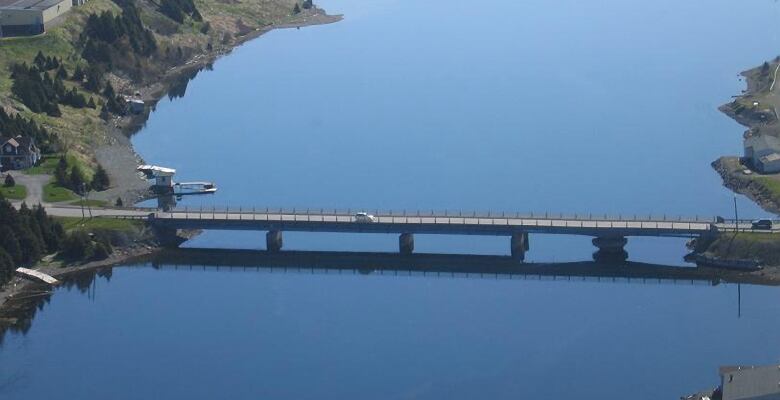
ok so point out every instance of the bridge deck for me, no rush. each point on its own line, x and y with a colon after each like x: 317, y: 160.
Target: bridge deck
x: 435, y: 224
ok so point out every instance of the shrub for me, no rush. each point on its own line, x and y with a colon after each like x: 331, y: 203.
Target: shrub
x: 9, y: 181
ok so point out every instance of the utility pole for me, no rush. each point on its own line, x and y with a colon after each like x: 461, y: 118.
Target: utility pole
x: 736, y: 214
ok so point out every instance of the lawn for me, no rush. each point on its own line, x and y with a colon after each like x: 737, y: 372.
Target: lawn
x: 53, y: 193
x: 89, y: 203
x: 126, y: 225
x: 46, y: 166
x: 773, y: 185
x: 17, y: 192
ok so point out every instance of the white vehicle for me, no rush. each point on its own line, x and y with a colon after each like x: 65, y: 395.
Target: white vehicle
x: 364, y: 217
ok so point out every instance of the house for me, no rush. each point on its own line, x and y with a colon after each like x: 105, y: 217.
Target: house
x: 30, y: 17
x: 18, y: 153
x: 763, y: 153
x: 750, y: 383
x: 135, y: 106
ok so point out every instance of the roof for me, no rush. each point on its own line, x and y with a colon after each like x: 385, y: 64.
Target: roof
x: 156, y: 170
x: 760, y: 142
x: 749, y: 382
x: 29, y: 4
x: 25, y: 142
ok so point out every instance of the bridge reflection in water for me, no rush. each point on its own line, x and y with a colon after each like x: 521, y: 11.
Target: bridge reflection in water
x: 442, y: 265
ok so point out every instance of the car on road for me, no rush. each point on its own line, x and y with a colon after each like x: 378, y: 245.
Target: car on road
x: 364, y: 217
x: 763, y: 224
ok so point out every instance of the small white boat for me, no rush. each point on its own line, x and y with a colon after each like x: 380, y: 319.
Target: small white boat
x: 184, y: 188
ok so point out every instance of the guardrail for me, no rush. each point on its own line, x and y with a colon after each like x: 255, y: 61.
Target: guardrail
x: 443, y: 213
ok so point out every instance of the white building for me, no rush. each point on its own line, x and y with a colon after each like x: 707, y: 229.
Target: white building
x: 763, y: 153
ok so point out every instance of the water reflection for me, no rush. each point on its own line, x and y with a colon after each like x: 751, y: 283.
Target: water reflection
x: 19, y: 313
x: 18, y: 318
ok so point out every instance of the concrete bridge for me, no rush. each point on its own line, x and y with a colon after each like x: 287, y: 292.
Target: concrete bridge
x: 609, y: 233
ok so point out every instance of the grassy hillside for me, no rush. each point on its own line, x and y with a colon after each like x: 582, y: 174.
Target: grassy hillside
x: 82, y: 130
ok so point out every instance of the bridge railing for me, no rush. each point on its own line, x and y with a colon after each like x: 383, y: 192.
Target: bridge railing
x: 204, y: 211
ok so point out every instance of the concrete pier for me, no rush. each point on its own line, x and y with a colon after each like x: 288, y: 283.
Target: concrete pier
x: 406, y: 243
x: 519, y: 245
x: 273, y: 240
x: 611, y: 248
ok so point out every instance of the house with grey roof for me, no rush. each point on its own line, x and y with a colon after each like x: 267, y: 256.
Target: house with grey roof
x: 763, y: 153
x: 750, y: 383
x: 18, y: 153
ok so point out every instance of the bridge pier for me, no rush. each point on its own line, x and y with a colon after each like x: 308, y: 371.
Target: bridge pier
x: 519, y: 245
x: 406, y: 243
x: 273, y: 240
x: 611, y: 248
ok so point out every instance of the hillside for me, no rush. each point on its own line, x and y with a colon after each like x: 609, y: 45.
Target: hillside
x: 137, y: 48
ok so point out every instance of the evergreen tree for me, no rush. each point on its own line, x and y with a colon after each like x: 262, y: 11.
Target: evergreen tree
x: 40, y: 61
x: 100, y: 180
x: 10, y: 243
x: 61, y: 172
x: 9, y: 181
x: 62, y: 73
x: 77, y: 183
x: 78, y: 74
x: 296, y: 9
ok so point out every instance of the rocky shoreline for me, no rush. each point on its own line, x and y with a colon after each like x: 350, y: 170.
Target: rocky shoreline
x: 118, y: 156
x: 757, y: 120
x: 20, y: 297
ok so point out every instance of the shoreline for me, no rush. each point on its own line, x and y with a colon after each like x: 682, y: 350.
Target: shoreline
x: 119, y: 157
x: 20, y: 296
x: 756, y: 120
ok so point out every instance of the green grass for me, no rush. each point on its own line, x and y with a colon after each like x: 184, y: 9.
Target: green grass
x: 126, y: 225
x: 773, y: 185
x: 17, y: 192
x: 90, y: 203
x: 53, y: 193
x: 46, y: 166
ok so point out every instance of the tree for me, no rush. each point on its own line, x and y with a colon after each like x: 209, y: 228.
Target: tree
x: 61, y: 172
x: 10, y: 243
x: 40, y: 61
x: 119, y: 202
x: 78, y: 74
x: 9, y: 181
x: 296, y: 9
x: 307, y: 4
x: 764, y: 68
x: 91, y: 103
x: 77, y: 246
x: 77, y: 180
x: 100, y: 180
x: 62, y: 73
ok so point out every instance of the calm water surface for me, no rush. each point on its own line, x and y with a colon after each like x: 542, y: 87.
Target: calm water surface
x: 565, y: 106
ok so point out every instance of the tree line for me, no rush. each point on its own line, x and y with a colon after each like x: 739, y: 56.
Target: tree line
x: 36, y: 88
x: 71, y: 177
x: 178, y: 10
x: 28, y: 234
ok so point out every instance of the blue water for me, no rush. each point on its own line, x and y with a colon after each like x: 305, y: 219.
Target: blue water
x: 530, y: 106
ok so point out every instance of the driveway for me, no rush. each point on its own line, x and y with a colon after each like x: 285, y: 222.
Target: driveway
x: 34, y: 185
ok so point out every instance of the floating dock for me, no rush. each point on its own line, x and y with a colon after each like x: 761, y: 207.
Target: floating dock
x: 37, y: 275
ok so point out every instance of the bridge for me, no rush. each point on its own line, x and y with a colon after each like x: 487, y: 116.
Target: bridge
x: 609, y: 233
